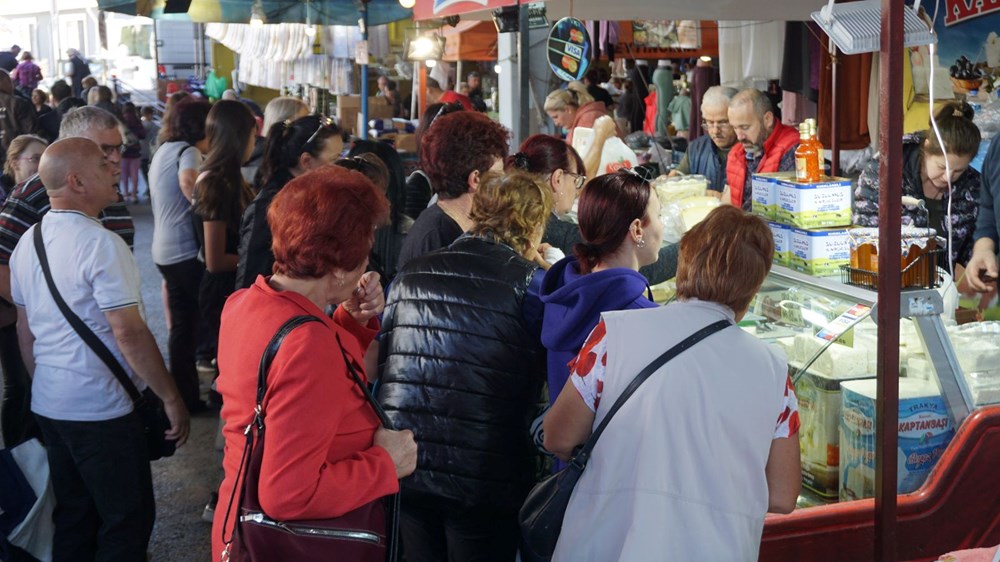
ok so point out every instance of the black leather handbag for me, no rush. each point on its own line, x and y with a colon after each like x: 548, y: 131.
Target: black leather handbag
x: 541, y: 515
x: 148, y: 405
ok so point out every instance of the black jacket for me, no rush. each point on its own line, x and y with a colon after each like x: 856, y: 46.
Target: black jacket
x: 461, y: 368
x: 255, y: 253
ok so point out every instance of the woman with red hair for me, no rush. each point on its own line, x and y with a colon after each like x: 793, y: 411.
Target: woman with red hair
x: 454, y: 154
x: 327, y: 453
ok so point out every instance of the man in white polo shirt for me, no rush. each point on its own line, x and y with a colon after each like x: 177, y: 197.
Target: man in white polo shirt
x: 96, y: 448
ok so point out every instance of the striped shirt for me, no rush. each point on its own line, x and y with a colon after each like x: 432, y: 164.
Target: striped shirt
x: 28, y: 203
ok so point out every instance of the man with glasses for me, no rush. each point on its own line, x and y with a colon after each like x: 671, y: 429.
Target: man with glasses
x: 707, y: 154
x: 765, y: 145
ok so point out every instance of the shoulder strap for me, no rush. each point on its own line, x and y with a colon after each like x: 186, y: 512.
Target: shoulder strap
x: 583, y: 456
x: 272, y: 350
x: 86, y: 334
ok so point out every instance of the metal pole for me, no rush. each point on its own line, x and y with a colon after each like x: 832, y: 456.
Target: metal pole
x: 363, y: 133
x: 889, y: 282
x: 524, y: 70
x: 834, y: 137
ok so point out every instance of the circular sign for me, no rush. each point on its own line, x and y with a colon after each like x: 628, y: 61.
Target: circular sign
x: 569, y: 49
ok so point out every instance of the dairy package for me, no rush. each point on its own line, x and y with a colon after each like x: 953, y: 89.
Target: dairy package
x: 814, y: 205
x: 820, y: 252
x: 764, y: 193
x: 925, y: 429
x: 782, y: 242
x: 820, y: 406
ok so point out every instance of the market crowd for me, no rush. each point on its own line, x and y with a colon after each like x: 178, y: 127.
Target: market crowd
x: 462, y: 338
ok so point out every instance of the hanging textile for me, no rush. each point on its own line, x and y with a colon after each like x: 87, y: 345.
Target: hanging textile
x: 703, y: 77
x: 853, y: 87
x: 801, y: 64
x: 750, y: 53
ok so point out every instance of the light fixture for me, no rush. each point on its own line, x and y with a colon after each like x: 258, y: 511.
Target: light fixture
x: 257, y: 15
x: 705, y: 58
x: 310, y: 28
x: 408, y: 4
x: 497, y: 68
x: 431, y: 63
x: 506, y: 19
x: 426, y: 47
x: 856, y: 27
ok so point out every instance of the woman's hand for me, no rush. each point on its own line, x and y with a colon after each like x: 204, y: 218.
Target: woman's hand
x: 981, y: 273
x: 401, y: 448
x: 367, y: 300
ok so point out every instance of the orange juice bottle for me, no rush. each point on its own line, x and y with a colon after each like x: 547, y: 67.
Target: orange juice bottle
x: 814, y: 135
x: 806, y: 162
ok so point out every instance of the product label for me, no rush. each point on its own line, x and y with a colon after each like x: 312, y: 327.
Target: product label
x: 814, y: 205
x: 820, y: 253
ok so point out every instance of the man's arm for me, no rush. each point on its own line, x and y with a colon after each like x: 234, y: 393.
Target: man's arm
x: 139, y: 348
x: 5, y: 283
x: 25, y: 340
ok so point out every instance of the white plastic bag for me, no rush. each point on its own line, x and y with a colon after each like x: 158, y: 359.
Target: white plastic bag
x: 616, y: 155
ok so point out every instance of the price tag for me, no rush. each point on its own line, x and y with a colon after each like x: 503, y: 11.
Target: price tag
x: 835, y: 330
x: 361, y: 52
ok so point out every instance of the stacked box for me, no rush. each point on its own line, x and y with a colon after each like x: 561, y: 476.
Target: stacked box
x: 820, y: 252
x: 814, y: 205
x: 764, y: 193
x: 925, y: 429
x: 349, y: 111
x: 782, y: 243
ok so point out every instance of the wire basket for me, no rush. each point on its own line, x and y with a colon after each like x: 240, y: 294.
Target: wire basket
x: 921, y: 273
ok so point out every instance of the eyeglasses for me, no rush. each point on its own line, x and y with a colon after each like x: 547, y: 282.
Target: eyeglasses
x: 324, y: 122
x: 109, y: 149
x: 720, y: 125
x: 579, y: 180
x: 33, y: 159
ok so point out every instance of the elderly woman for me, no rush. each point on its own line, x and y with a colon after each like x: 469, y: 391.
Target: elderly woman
x: 454, y: 154
x: 708, y: 442
x: 326, y: 454
x: 23, y: 156
x: 573, y: 107
x: 462, y: 367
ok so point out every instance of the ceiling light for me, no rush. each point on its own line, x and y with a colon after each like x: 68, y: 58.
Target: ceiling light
x: 257, y: 15
x: 408, y: 4
x: 426, y: 47
x: 431, y: 63
x: 497, y: 68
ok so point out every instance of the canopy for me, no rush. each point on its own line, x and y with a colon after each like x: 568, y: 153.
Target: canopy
x: 320, y: 12
x: 471, y: 41
x: 763, y: 10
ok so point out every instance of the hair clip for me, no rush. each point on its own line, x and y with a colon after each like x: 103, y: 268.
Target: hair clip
x: 635, y: 171
x: 521, y: 161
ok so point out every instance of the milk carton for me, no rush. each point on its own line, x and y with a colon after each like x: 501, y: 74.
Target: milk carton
x: 782, y: 242
x: 820, y: 407
x: 820, y: 252
x: 814, y: 205
x: 764, y: 195
x: 925, y: 429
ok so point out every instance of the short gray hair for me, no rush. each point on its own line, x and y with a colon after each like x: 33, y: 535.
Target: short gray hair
x: 757, y: 99
x: 82, y: 119
x: 718, y: 96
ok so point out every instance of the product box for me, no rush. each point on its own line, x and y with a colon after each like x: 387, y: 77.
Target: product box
x: 820, y: 252
x: 814, y: 205
x: 349, y: 111
x: 764, y: 196
x: 820, y: 407
x: 925, y: 429
x: 782, y: 242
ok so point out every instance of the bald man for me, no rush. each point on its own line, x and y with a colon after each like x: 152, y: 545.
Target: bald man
x: 96, y: 449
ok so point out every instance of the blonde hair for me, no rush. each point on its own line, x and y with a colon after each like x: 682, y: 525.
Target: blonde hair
x: 575, y: 95
x: 283, y: 108
x: 513, y: 207
x: 17, y: 147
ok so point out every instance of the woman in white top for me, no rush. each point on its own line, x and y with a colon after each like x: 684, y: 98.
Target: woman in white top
x: 172, y: 174
x: 689, y: 466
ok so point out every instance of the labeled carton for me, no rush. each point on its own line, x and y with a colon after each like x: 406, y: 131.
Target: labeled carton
x: 814, y: 205
x: 820, y: 252
x: 782, y: 242
x: 764, y: 193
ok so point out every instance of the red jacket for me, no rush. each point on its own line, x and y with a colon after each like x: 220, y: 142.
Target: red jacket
x: 782, y: 139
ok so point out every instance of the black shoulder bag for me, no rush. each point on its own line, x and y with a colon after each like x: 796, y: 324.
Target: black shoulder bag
x: 366, y: 534
x: 148, y: 406
x: 542, y: 513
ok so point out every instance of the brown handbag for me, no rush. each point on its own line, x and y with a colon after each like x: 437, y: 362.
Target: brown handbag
x: 366, y: 534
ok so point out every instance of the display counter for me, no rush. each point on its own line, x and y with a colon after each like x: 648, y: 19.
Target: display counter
x: 949, y: 421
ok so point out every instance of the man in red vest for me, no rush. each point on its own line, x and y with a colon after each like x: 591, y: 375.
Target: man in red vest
x: 765, y: 145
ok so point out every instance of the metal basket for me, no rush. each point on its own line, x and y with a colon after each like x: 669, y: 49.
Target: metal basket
x: 921, y: 273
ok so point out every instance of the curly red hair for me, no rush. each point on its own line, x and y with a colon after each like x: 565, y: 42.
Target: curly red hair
x: 458, y: 144
x: 325, y: 220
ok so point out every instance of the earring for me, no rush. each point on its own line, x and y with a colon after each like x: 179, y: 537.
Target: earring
x: 640, y: 242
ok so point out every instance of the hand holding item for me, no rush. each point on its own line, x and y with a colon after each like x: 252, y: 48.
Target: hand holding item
x: 401, y: 448
x: 981, y: 272
x: 367, y: 300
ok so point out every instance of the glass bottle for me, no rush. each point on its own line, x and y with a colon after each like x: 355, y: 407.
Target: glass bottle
x: 806, y: 162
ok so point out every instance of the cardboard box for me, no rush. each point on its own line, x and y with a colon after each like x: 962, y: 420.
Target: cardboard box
x: 814, y: 205
x: 820, y: 252
x: 349, y: 111
x: 406, y: 142
x: 924, y: 426
x: 782, y: 242
x: 764, y: 197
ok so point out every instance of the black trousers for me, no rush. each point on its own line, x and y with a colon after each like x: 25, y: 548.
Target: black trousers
x: 215, y: 289
x: 435, y: 529
x: 183, y: 284
x: 104, y: 490
x: 17, y: 422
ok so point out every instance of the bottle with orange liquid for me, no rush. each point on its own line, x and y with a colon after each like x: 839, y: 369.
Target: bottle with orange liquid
x: 814, y: 137
x: 806, y: 161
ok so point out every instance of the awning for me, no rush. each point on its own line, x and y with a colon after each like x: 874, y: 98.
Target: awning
x: 320, y: 12
x: 618, y: 10
x: 471, y: 41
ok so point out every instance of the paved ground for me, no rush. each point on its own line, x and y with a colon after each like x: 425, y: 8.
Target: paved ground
x: 183, y: 482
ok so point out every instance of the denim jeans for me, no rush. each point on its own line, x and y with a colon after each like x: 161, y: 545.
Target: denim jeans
x: 104, y: 489
x: 183, y: 282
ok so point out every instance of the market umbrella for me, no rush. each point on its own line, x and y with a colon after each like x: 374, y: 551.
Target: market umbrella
x: 318, y: 12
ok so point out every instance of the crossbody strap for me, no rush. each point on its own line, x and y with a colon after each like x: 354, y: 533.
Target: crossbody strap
x: 86, y: 334
x: 583, y: 455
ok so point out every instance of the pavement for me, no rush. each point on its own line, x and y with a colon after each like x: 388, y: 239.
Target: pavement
x: 184, y: 482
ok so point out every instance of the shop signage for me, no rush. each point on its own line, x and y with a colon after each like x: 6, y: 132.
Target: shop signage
x: 667, y: 34
x: 957, y: 11
x: 569, y: 49
x: 968, y: 45
x: 536, y: 16
x: 428, y: 9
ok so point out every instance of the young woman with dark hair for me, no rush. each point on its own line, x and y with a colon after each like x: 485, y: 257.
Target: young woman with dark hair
x: 389, y: 237
x: 292, y: 148
x: 620, y: 222
x: 220, y: 196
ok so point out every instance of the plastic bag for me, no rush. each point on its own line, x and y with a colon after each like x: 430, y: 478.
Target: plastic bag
x: 615, y: 155
x: 680, y: 216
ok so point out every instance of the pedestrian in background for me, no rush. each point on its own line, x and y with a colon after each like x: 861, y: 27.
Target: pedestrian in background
x: 131, y: 155
x: 27, y: 75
